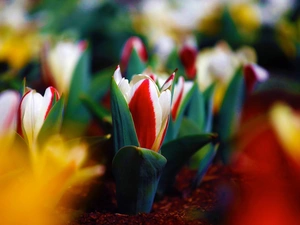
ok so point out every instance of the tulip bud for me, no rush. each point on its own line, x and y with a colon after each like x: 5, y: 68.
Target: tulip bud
x: 59, y: 63
x: 34, y: 109
x: 254, y: 73
x: 133, y: 43
x: 9, y: 103
x: 188, y: 56
x: 149, y: 107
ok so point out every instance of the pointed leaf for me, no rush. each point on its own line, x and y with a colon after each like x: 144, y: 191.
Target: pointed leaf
x: 76, y: 116
x: 52, y: 123
x: 174, y: 126
x: 206, y: 158
x: 123, y: 127
x: 189, y: 127
x: 230, y: 110
x: 208, y: 106
x: 135, y: 65
x: 178, y: 152
x: 137, y: 172
x: 173, y: 62
x: 96, y: 109
x: 195, y: 109
x: 100, y: 83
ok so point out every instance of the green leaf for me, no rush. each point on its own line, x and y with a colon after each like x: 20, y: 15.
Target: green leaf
x: 189, y: 127
x: 101, y: 83
x: 195, y: 109
x: 137, y: 172
x: 177, y: 153
x: 76, y: 116
x: 208, y: 106
x: 96, y: 109
x: 101, y: 114
x: 230, y: 110
x: 52, y: 123
x: 206, y: 157
x: 135, y: 65
x: 173, y: 62
x: 123, y: 127
x: 229, y: 29
x: 174, y: 126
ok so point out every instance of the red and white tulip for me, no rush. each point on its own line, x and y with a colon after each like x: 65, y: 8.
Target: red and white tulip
x: 188, y: 55
x: 59, y: 63
x: 133, y: 43
x: 180, y: 91
x: 9, y: 104
x: 34, y: 109
x: 149, y: 105
x: 254, y: 73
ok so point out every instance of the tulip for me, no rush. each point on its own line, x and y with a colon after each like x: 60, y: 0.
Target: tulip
x: 34, y: 109
x: 181, y: 89
x: 188, y: 56
x: 254, y: 73
x: 59, y: 64
x: 9, y: 103
x: 133, y: 43
x: 149, y: 106
x: 218, y: 65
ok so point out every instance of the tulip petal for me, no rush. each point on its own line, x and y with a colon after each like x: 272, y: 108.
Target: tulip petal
x: 133, y: 43
x: 146, y: 112
x: 165, y: 103
x: 117, y: 75
x: 178, y: 94
x: 168, y: 83
x: 9, y: 103
x: 188, y: 57
x: 34, y: 109
x: 51, y: 96
x: 32, y: 117
x: 62, y: 60
x: 254, y: 73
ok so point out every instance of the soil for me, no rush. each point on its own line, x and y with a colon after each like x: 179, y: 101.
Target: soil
x: 181, y: 206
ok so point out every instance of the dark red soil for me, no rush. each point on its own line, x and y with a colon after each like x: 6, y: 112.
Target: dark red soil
x: 182, y: 206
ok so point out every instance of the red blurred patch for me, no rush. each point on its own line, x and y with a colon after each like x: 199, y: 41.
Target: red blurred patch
x: 269, y: 189
x: 188, y: 56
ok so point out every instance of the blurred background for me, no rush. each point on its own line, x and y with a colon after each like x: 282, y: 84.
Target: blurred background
x: 271, y: 27
x: 269, y: 30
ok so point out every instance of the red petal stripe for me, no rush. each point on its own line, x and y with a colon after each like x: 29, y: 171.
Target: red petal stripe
x: 176, y: 105
x: 19, y: 126
x: 188, y: 57
x: 55, y: 95
x: 11, y: 115
x: 143, y: 114
x: 168, y: 82
x: 250, y: 77
x: 133, y: 43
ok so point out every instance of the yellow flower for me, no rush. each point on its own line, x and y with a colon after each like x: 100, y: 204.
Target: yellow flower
x: 17, y: 48
x: 246, y: 16
x: 286, y: 123
x: 30, y: 190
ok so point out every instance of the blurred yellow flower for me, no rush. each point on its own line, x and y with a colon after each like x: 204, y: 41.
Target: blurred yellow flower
x: 286, y: 123
x: 18, y: 47
x: 246, y: 16
x: 31, y: 190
